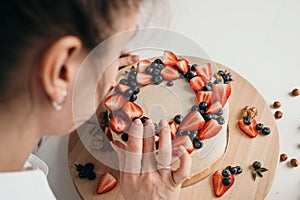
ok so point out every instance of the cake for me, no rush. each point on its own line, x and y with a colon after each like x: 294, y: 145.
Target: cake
x: 192, y: 97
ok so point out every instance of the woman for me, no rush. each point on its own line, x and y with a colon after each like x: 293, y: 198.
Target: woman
x: 42, y: 45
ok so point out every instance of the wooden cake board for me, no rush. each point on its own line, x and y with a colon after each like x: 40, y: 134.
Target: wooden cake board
x: 241, y: 150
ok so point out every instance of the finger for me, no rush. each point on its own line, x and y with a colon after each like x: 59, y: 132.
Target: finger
x: 184, y: 169
x: 148, y: 162
x: 128, y: 60
x: 125, y: 52
x: 164, y: 156
x: 133, y: 157
x: 120, y: 149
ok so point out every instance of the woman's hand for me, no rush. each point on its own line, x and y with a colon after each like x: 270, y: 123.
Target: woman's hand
x: 145, y: 175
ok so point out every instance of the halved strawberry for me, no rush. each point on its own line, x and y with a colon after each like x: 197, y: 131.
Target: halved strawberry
x: 214, y: 108
x: 143, y: 78
x: 169, y: 73
x: 192, y: 121
x: 221, y: 93
x: 183, y: 140
x: 142, y: 65
x: 219, y: 188
x: 197, y: 83
x: 114, y: 102
x: 123, y: 88
x: 173, y: 129
x: 183, y: 65
x: 204, y: 96
x: 132, y: 110
x: 106, y: 183
x: 108, y: 134
x: 204, y: 71
x: 118, y: 124
x: 169, y: 58
x: 210, y: 129
x: 250, y: 130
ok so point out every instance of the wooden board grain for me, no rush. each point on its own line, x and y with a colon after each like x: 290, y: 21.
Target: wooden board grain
x: 241, y: 150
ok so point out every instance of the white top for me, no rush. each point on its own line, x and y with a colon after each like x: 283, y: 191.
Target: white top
x: 31, y: 184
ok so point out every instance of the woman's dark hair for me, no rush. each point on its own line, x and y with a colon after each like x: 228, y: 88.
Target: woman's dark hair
x: 29, y: 27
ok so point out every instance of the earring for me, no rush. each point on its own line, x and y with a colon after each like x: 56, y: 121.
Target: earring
x: 59, y: 105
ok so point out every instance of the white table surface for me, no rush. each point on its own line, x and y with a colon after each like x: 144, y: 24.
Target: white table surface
x: 260, y: 39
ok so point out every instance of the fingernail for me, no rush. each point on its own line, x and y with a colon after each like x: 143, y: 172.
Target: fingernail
x: 137, y: 121
x: 162, y: 123
x: 135, y: 58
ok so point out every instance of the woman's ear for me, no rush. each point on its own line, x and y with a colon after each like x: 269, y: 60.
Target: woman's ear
x: 58, y: 67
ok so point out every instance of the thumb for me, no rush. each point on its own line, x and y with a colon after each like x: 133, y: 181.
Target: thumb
x: 128, y: 60
x: 184, y: 170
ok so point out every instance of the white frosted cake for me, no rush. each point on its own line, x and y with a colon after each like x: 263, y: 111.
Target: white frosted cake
x: 192, y: 97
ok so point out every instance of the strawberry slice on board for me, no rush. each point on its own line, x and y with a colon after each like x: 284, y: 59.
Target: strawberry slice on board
x: 169, y: 58
x: 221, y: 93
x: 142, y: 65
x: 132, y: 110
x: 204, y: 71
x: 219, y: 188
x: 169, y: 73
x: 197, y: 83
x: 182, y: 65
x: 106, y: 183
x: 122, y: 88
x: 192, y: 121
x: 183, y: 140
x: 249, y: 130
x: 114, y: 102
x: 173, y: 129
x: 210, y: 129
x: 118, y: 124
x: 143, y: 78
x: 204, y: 96
x: 214, y: 108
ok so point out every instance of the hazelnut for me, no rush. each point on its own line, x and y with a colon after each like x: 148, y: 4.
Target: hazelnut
x: 276, y: 104
x: 278, y: 114
x: 295, y: 92
x: 283, y: 157
x: 294, y: 162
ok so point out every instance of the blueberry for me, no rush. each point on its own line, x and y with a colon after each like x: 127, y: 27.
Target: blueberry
x: 221, y: 73
x: 154, y: 65
x: 128, y: 93
x: 193, y: 67
x: 170, y: 83
x: 226, y: 181
x: 156, y: 145
x: 186, y: 132
x: 220, y: 112
x: 133, y: 97
x: 239, y: 169
x: 131, y: 77
x: 217, y: 82
x: 84, y: 172
x: 226, y: 78
x: 161, y: 66
x: 180, y: 132
x: 207, y: 117
x: 220, y: 120
x: 202, y: 112
x: 91, y: 176
x: 155, y: 128
x: 178, y: 119
x: 191, y: 74
x: 266, y: 131
x: 214, y: 116
x: 259, y: 126
x: 233, y: 170
x: 132, y: 83
x: 136, y: 89
x: 197, y: 143
x: 203, y: 105
x: 158, y: 61
x: 247, y: 120
x: 210, y: 84
x: 226, y: 173
x: 144, y: 119
x: 89, y: 166
x: 195, y: 107
x: 79, y: 167
x: 110, y: 115
x: 133, y: 72
x: 193, y: 135
x: 156, y: 71
x: 157, y: 79
x: 149, y: 70
x: 124, y: 137
x: 256, y: 165
x: 206, y: 88
x: 123, y: 81
x: 229, y: 168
